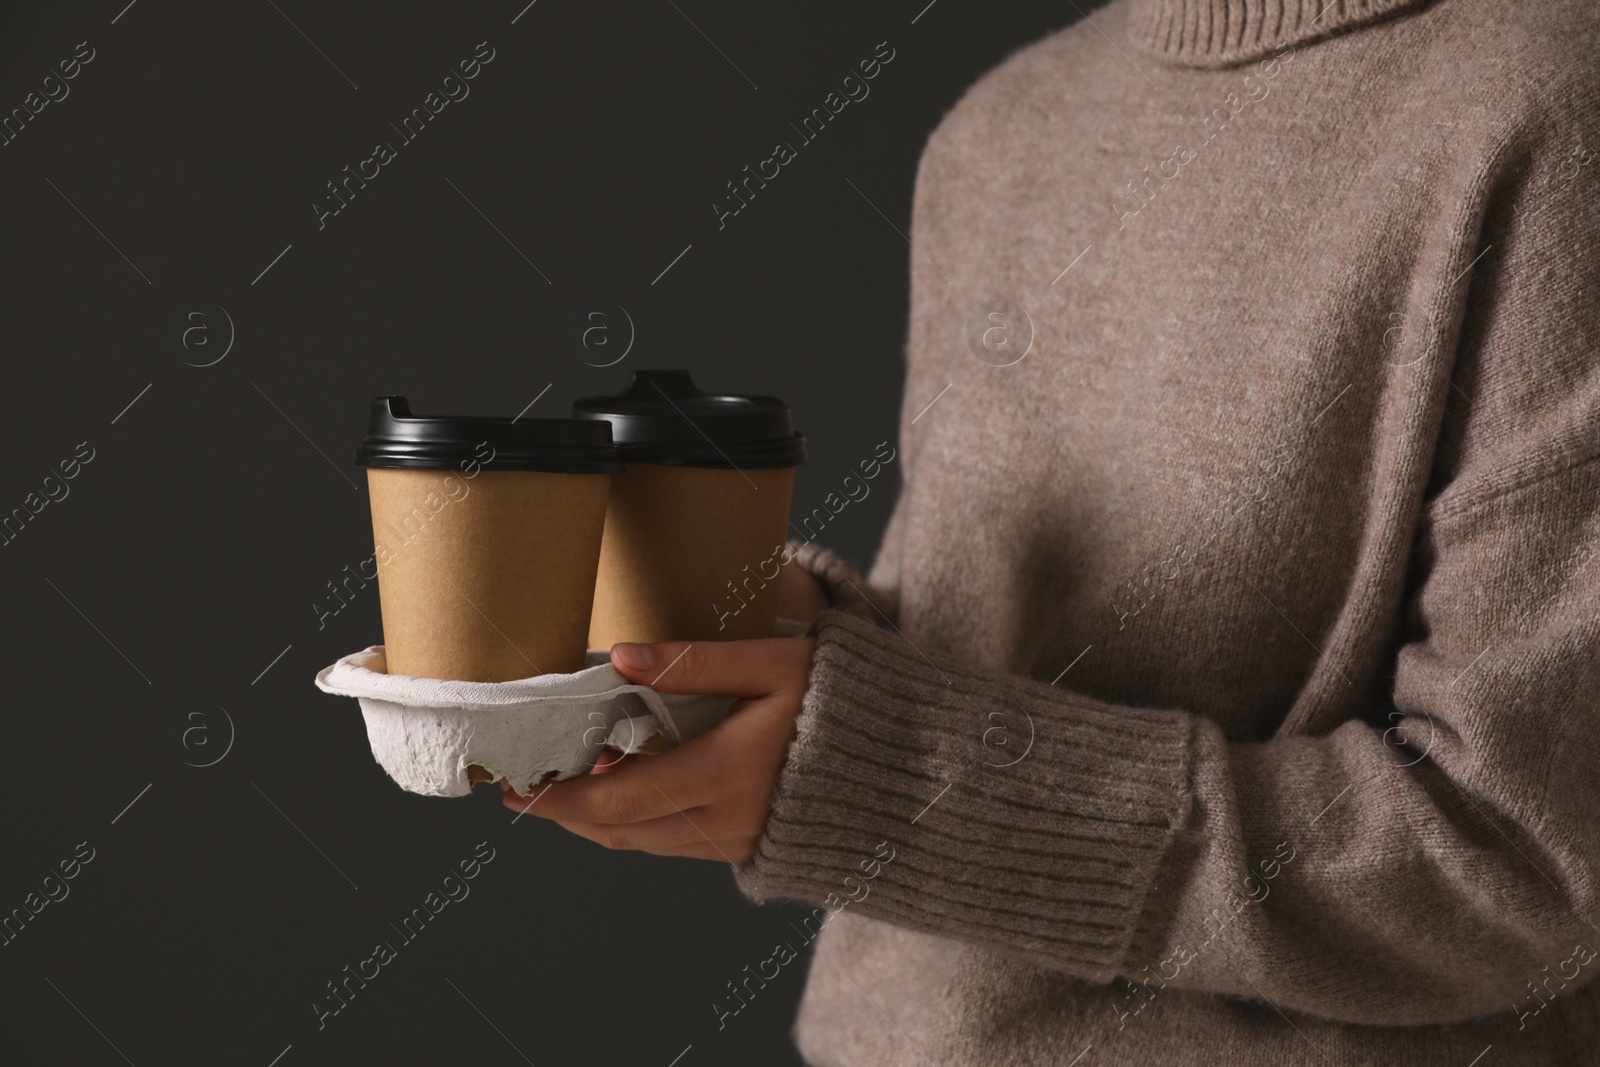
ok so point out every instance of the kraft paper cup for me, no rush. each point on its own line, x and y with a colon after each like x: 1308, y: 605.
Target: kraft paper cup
x: 691, y: 554
x: 487, y: 534
x: 696, y: 525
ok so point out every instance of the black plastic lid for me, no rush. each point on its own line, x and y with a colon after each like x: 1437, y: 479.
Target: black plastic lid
x: 664, y: 418
x: 397, y: 438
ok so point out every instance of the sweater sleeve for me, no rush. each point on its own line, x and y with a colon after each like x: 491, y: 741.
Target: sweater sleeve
x: 1426, y: 863
x: 846, y: 589
x: 1421, y: 867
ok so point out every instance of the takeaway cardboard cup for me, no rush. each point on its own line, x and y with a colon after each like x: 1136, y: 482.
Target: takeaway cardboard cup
x: 696, y: 526
x: 487, y: 533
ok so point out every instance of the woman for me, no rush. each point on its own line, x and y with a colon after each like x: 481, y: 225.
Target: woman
x: 1225, y: 688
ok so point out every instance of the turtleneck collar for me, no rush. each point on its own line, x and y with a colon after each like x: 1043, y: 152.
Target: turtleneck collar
x: 1219, y: 33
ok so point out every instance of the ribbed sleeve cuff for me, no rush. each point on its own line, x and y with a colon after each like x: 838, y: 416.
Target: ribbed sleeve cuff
x: 1017, y: 814
x: 846, y: 589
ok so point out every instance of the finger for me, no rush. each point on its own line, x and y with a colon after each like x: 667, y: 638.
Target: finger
x: 609, y: 759
x: 520, y: 803
x: 800, y: 595
x: 664, y: 837
x: 727, y: 668
x: 736, y: 849
x: 631, y: 791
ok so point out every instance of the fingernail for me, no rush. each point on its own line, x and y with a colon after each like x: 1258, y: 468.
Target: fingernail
x: 634, y: 657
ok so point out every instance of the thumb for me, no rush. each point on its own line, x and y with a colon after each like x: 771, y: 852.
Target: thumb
x: 720, y: 668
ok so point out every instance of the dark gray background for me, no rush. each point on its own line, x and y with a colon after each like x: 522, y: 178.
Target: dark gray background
x: 189, y: 552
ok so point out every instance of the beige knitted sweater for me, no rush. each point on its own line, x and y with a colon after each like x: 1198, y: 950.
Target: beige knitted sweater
x: 1229, y: 688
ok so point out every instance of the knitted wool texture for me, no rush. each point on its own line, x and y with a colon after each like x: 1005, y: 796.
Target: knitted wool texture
x: 1226, y: 683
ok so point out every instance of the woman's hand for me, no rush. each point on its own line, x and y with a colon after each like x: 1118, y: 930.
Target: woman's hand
x: 709, y: 797
x: 800, y: 596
